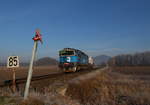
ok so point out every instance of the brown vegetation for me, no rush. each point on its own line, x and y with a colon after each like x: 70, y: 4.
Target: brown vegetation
x: 109, y: 88
x: 49, y: 91
x: 132, y: 70
x: 36, y: 98
x: 140, y: 73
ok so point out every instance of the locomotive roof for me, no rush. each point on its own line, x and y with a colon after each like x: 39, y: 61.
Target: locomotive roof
x: 74, y: 50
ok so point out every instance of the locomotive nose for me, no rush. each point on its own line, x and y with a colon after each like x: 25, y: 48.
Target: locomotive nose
x: 68, y: 59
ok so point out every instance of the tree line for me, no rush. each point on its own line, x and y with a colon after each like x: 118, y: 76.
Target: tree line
x: 138, y: 59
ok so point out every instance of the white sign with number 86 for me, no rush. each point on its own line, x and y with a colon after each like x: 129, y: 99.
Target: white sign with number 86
x: 13, y: 62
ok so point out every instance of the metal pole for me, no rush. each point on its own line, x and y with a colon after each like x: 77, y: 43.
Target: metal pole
x: 14, y: 81
x: 30, y: 70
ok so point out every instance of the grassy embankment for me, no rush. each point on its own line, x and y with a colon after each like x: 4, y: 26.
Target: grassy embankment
x: 112, y: 87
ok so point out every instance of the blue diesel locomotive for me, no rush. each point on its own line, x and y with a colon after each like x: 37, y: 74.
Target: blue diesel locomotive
x: 71, y: 60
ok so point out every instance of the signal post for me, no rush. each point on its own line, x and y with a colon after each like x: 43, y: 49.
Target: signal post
x: 36, y: 39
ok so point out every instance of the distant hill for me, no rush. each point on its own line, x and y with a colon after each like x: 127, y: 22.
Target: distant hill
x: 98, y: 60
x: 46, y: 61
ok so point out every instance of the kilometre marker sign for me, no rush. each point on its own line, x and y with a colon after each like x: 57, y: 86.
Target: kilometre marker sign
x: 13, y: 62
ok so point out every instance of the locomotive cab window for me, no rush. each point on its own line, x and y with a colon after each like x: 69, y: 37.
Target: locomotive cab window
x: 62, y: 53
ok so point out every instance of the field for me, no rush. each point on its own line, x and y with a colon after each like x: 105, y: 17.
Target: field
x: 22, y: 72
x: 51, y: 88
x: 109, y: 86
x: 115, y: 86
x: 140, y: 73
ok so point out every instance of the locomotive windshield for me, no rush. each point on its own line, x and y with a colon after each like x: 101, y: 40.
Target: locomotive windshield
x: 66, y: 53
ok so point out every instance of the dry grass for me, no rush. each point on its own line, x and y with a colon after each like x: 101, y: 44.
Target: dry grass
x: 98, y: 88
x: 133, y: 70
x: 36, y: 98
x: 140, y: 73
x: 45, y: 92
x: 109, y: 88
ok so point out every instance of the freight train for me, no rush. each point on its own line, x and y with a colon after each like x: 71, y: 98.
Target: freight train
x: 71, y: 60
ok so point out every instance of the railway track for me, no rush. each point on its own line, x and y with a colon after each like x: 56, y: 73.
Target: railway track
x: 53, y: 81
x: 42, y: 77
x: 34, y: 78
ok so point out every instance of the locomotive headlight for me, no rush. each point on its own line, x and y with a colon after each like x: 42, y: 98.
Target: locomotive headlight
x: 68, y: 59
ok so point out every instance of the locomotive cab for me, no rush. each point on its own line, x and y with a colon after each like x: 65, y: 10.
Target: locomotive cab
x: 72, y: 59
x: 67, y: 60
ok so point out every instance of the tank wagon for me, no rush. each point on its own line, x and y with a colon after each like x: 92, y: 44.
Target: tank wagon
x: 71, y: 60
